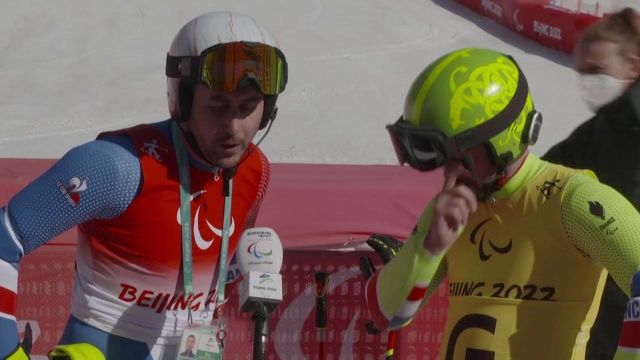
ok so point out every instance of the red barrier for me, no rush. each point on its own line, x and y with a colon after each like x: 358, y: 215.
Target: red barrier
x: 548, y: 25
x: 326, y: 205
x: 46, y: 281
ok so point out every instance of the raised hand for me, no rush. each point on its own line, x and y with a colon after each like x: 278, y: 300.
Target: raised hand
x: 451, y: 210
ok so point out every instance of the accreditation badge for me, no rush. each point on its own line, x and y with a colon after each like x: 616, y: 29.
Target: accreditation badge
x: 200, y: 343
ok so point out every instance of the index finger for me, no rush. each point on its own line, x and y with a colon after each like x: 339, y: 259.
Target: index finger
x: 468, y: 195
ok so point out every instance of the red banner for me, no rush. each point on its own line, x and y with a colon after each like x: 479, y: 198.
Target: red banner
x: 551, y: 26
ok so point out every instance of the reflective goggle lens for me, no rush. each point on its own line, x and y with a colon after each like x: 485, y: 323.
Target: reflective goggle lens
x: 422, y: 150
x: 224, y: 67
x: 427, y: 153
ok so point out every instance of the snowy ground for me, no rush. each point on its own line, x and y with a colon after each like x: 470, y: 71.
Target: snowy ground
x: 70, y: 69
x: 595, y: 7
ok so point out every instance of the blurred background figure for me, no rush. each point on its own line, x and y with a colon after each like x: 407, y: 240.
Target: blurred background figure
x: 607, y: 59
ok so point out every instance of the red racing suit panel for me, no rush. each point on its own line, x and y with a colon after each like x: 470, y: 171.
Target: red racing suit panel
x: 132, y: 264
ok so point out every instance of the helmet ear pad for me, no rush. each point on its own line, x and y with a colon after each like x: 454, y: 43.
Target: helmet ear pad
x: 270, y: 110
x: 185, y: 99
x: 530, y: 134
x: 532, y: 127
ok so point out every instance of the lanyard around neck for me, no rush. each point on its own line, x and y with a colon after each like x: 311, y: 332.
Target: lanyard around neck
x: 185, y: 217
x: 224, y: 247
x: 185, y: 208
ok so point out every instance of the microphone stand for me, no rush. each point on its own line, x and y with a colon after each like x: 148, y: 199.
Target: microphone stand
x: 260, y: 331
x: 256, y: 296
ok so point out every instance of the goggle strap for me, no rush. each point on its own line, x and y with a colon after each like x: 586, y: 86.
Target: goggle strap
x: 180, y: 67
x: 498, y: 123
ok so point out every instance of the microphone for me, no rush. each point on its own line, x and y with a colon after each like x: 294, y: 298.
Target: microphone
x: 259, y: 257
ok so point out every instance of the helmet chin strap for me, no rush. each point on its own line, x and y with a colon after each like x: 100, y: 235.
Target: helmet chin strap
x: 490, y: 187
x: 487, y: 187
x: 193, y: 145
x: 227, y: 173
x: 265, y: 133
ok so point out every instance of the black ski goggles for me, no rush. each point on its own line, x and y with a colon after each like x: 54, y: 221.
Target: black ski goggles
x: 226, y: 67
x: 427, y: 149
x: 422, y: 149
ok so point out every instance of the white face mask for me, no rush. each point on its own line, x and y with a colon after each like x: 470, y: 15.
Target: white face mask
x: 600, y: 89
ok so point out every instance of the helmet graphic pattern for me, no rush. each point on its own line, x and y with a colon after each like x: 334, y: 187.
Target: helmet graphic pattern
x: 464, y: 89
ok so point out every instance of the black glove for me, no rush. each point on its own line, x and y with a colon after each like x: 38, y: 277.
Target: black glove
x: 387, y: 247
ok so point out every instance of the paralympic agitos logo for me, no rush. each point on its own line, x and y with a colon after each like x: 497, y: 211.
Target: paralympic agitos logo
x: 258, y: 253
x: 484, y: 253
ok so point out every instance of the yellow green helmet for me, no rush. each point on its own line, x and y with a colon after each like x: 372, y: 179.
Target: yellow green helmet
x: 465, y: 98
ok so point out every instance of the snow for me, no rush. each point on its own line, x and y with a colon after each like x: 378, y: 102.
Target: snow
x: 70, y: 69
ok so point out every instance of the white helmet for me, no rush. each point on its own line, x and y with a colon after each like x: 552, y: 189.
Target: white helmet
x: 195, y: 56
